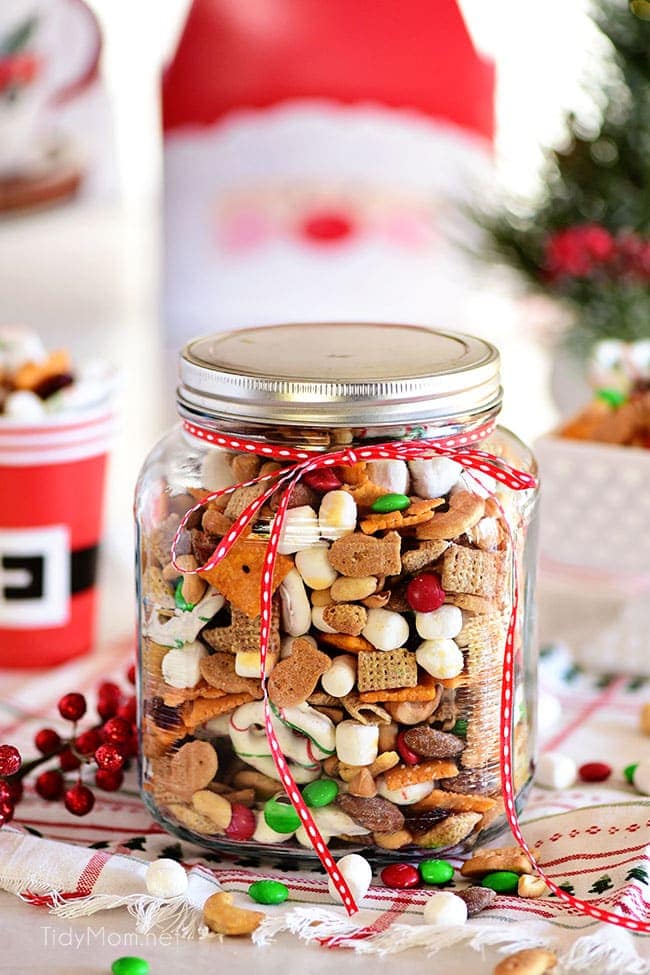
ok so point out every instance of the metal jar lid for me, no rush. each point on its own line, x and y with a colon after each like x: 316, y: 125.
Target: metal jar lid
x: 339, y: 374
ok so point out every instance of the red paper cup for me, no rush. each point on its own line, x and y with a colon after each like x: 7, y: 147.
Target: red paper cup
x: 52, y: 478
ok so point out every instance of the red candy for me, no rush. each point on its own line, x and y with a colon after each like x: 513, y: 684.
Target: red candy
x: 407, y: 754
x: 424, y: 594
x: 242, y: 824
x: 594, y: 771
x: 400, y: 876
x: 322, y: 480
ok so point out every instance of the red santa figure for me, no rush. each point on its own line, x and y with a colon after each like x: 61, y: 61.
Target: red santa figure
x: 318, y: 154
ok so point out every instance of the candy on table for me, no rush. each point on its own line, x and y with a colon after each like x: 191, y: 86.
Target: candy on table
x: 268, y: 892
x: 594, y: 771
x: 502, y: 881
x: 629, y: 771
x: 357, y: 873
x: 444, y: 909
x: 641, y: 777
x: 130, y: 965
x: 165, y: 878
x: 436, y: 871
x: 555, y: 771
x: 400, y: 876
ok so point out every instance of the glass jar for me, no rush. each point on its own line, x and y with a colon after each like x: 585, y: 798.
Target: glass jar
x: 392, y: 593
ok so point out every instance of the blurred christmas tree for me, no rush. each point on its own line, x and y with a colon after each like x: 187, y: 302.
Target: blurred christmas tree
x: 586, y: 239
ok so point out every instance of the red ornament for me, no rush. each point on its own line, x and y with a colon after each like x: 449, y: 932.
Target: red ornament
x: 50, y: 785
x: 109, y: 779
x: 5, y: 791
x: 79, y: 800
x: 108, y: 757
x: 130, y: 674
x: 72, y: 706
x: 47, y: 741
x: 15, y: 789
x: 425, y: 594
x: 118, y: 731
x: 594, y: 771
x: 88, y: 742
x: 326, y: 227
x: 242, y: 824
x: 400, y: 876
x: 108, y: 699
x: 6, y: 811
x: 10, y: 760
x: 129, y: 710
x: 323, y: 480
x: 407, y: 754
x: 68, y: 760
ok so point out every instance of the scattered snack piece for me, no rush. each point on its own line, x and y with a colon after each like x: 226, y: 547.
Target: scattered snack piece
x: 555, y: 771
x: 511, y: 858
x: 222, y: 917
x: 444, y: 909
x: 357, y: 873
x: 477, y: 899
x: 532, y: 887
x: 645, y: 718
x: 165, y: 878
x: 530, y: 961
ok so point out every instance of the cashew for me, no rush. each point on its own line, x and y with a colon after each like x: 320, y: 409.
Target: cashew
x: 221, y: 916
x: 529, y: 961
x: 465, y: 510
x: 193, y: 589
x: 296, y: 609
x: 528, y: 886
x: 362, y: 784
x: 217, y: 808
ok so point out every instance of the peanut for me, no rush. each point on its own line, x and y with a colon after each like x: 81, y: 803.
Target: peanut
x: 216, y: 808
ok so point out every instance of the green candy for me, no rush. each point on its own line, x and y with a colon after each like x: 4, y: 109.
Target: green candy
x: 436, y: 871
x: 268, y: 892
x: 390, y: 502
x: 460, y: 728
x: 280, y: 815
x: 629, y: 771
x: 320, y: 793
x: 503, y: 881
x: 129, y: 965
x: 613, y: 397
x: 180, y: 601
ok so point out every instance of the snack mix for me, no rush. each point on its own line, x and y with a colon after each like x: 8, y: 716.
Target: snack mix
x: 392, y: 593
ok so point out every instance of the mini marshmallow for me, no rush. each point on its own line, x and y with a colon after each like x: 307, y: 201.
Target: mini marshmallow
x: 405, y: 796
x: 18, y: 346
x: 434, y: 478
x: 358, y: 875
x: 393, y: 475
x: 24, y: 405
x: 443, y: 623
x: 444, y: 909
x: 264, y: 834
x: 641, y: 777
x: 216, y: 472
x: 356, y: 743
x: 314, y: 567
x: 247, y: 663
x: 337, y: 515
x: 340, y: 679
x: 294, y: 604
x: 440, y: 658
x: 385, y: 629
x: 165, y: 878
x: 555, y: 771
x: 318, y: 621
x: 300, y: 530
x: 181, y: 667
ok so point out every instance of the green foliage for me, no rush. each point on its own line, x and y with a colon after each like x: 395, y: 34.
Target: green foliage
x: 18, y: 39
x: 602, y: 177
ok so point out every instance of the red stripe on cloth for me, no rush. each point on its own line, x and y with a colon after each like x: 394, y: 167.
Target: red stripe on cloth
x: 545, y: 864
x: 91, y: 872
x: 585, y: 714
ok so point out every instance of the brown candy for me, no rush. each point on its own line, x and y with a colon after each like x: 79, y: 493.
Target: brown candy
x: 477, y: 899
x: 429, y: 743
x: 376, y: 814
x: 293, y: 679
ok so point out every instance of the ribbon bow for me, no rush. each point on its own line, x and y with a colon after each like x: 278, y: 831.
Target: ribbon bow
x: 461, y: 447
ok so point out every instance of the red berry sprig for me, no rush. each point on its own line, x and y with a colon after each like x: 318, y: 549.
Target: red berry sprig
x: 107, y: 746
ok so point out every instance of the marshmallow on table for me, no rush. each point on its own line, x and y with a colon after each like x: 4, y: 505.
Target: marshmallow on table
x: 165, y: 878
x: 444, y: 909
x: 555, y: 771
x: 357, y: 873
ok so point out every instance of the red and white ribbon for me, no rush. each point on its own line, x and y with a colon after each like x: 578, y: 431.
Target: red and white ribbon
x: 461, y: 448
